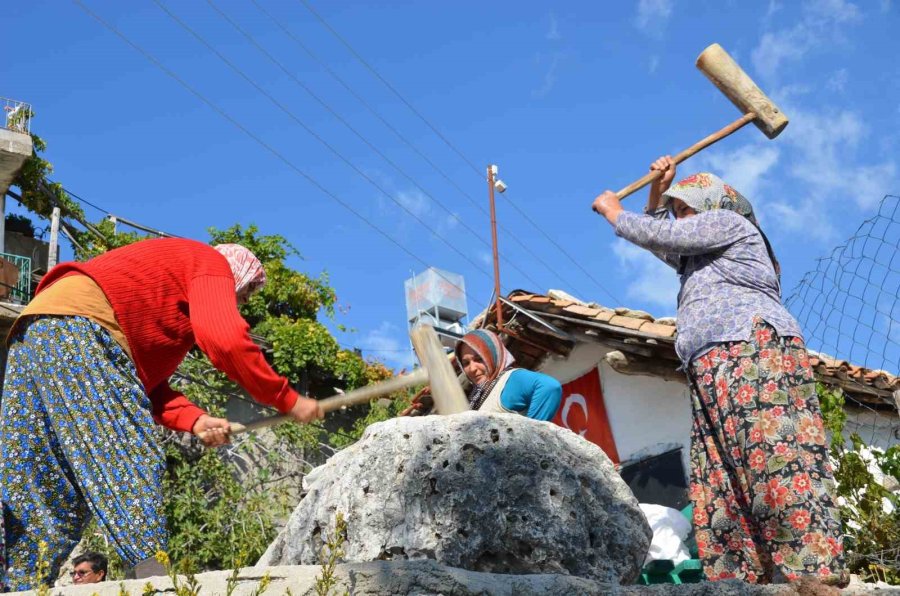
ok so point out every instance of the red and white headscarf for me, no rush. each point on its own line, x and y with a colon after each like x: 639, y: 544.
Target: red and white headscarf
x: 245, y: 267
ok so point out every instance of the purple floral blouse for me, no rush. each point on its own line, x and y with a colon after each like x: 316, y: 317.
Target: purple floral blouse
x: 727, y: 280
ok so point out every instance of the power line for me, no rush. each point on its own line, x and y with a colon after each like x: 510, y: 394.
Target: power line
x: 85, y: 201
x: 318, y: 137
x: 234, y: 122
x: 391, y: 87
x: 367, y: 105
x: 474, y: 168
x: 562, y: 250
x: 412, y: 146
x: 350, y: 127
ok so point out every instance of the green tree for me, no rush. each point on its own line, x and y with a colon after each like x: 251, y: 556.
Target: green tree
x: 217, y: 516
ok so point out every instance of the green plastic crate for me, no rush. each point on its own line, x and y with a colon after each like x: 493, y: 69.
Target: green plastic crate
x: 667, y: 572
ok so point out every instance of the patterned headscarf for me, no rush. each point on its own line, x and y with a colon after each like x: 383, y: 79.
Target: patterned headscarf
x: 245, y: 267
x: 707, y: 192
x: 493, y: 354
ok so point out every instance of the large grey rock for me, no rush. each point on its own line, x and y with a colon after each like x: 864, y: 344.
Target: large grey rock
x: 494, y: 493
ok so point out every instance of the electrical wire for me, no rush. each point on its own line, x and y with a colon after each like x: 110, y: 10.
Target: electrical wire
x: 449, y: 144
x: 359, y: 135
x: 318, y: 137
x: 237, y: 124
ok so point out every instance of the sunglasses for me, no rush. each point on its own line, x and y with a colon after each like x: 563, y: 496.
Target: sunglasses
x: 80, y: 572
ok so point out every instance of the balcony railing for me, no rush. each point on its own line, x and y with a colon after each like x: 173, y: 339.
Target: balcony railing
x: 18, y: 292
x: 16, y: 115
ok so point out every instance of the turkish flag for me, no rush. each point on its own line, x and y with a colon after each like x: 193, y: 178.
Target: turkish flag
x: 582, y: 411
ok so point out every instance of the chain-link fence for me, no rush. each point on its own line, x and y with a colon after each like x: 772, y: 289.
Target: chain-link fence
x: 849, y: 310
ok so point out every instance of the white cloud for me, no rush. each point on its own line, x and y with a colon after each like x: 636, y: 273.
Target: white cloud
x: 839, y: 11
x: 450, y: 222
x: 838, y: 81
x: 387, y: 343
x: 744, y: 168
x: 820, y: 27
x: 415, y: 202
x: 652, y: 15
x: 654, y: 64
x: 806, y: 216
x: 553, y: 32
x: 651, y: 280
x: 549, y: 78
x: 820, y: 155
x: 825, y: 156
x: 775, y: 48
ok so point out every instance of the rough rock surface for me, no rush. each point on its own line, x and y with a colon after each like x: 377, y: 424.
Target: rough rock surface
x: 494, y: 493
x: 427, y: 578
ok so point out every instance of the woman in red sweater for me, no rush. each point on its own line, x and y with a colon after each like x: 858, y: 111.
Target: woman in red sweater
x: 87, y: 374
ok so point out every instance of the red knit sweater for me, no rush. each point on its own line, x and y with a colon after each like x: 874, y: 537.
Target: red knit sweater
x: 168, y: 295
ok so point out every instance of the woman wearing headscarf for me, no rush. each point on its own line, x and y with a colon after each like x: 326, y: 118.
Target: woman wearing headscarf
x: 761, y: 482
x: 86, y: 377
x: 497, y: 386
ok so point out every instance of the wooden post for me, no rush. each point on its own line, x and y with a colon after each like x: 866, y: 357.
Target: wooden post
x: 3, y: 222
x: 54, y: 239
x: 445, y: 388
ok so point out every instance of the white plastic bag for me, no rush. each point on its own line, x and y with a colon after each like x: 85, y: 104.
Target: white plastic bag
x: 670, y: 530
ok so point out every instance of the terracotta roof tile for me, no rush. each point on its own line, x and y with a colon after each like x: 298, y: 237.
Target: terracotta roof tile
x: 521, y: 298
x: 585, y: 311
x: 657, y: 329
x: 627, y: 322
x: 604, y: 316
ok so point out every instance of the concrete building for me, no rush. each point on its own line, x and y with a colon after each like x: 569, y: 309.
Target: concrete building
x: 15, y: 149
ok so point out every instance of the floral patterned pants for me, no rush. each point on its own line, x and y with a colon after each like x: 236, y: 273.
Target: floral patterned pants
x: 76, y: 439
x: 761, y: 482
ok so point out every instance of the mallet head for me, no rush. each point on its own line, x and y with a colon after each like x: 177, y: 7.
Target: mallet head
x: 445, y: 389
x: 724, y: 72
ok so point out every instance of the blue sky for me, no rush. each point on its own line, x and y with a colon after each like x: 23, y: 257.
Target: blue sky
x: 568, y: 99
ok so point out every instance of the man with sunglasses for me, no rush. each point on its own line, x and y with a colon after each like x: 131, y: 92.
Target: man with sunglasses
x: 90, y: 568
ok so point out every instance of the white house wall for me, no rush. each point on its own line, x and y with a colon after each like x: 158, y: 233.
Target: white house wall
x: 647, y: 415
x: 879, y: 429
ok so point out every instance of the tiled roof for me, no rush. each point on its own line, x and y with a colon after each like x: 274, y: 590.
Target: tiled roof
x: 643, y: 334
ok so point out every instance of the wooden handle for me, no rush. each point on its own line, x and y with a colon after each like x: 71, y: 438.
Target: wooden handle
x: 336, y: 402
x: 690, y: 151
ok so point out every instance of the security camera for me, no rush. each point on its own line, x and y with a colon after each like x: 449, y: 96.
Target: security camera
x: 500, y: 185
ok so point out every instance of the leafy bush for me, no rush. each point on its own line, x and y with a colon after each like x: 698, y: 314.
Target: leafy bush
x: 870, y: 513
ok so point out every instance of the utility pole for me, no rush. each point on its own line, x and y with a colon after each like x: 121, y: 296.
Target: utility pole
x: 494, y: 182
x: 54, y: 238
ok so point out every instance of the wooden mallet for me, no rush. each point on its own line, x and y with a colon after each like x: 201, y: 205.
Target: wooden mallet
x: 436, y: 370
x: 731, y: 80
